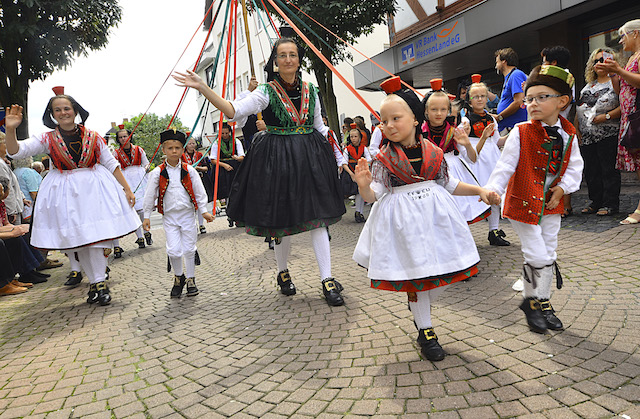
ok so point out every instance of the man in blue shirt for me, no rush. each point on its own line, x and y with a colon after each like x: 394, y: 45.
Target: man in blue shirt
x: 510, y: 109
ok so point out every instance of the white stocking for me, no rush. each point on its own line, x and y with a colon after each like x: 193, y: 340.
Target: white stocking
x: 93, y: 263
x: 359, y: 204
x: 75, y: 265
x: 494, y: 218
x: 176, y: 265
x: 322, y: 249
x: 190, y: 264
x: 282, y: 253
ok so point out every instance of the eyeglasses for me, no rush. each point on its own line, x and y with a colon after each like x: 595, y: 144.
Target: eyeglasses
x: 598, y: 60
x: 479, y: 97
x: 284, y: 56
x: 539, y: 99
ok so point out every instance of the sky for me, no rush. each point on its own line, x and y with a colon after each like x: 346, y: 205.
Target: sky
x: 120, y: 80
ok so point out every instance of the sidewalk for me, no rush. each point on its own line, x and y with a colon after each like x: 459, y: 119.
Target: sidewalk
x: 242, y: 349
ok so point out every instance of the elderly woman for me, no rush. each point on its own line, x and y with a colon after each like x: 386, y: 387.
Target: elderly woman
x: 29, y: 181
x: 626, y: 82
x: 597, y: 125
x: 288, y: 181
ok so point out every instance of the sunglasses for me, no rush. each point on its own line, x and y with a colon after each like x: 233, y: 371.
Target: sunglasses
x: 598, y: 60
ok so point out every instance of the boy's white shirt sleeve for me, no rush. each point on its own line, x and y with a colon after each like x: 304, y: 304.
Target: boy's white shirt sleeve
x: 198, y: 190
x: 572, y: 177
x: 36, y: 144
x: 151, y: 192
x: 506, y: 166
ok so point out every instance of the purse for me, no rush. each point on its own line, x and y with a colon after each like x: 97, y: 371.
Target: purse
x: 631, y: 134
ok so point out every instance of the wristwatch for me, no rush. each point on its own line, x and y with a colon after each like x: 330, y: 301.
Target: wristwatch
x: 500, y: 118
x: 607, y: 116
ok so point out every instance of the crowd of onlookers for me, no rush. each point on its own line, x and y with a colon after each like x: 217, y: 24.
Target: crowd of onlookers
x: 20, y: 263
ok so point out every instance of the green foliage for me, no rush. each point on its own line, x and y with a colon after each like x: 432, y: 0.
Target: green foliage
x: 41, y: 36
x: 147, y: 135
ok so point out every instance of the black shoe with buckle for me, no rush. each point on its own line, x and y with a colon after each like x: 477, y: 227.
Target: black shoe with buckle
x: 92, y: 294
x: 103, y: 295
x: 192, y: 290
x: 285, y: 283
x: 117, y: 252
x: 553, y: 322
x: 140, y: 243
x: 429, y: 345
x: 331, y: 290
x: 178, y: 285
x: 203, y: 229
x: 74, y: 279
x: 147, y: 237
x: 535, y: 319
x: 496, y: 238
x: 359, y: 217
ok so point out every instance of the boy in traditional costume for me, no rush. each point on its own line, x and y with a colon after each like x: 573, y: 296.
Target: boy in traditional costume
x: 539, y: 164
x: 179, y: 192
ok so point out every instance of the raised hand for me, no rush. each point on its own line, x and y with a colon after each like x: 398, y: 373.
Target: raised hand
x: 189, y: 79
x: 13, y: 117
x: 488, y: 130
x: 461, y: 137
x: 363, y: 175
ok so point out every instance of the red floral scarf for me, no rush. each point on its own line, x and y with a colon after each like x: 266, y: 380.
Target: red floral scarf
x: 126, y: 161
x: 393, y: 157
x: 60, y: 155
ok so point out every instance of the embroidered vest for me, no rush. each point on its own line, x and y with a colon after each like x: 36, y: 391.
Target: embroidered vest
x: 59, y: 153
x: 189, y: 160
x: 135, y: 159
x: 354, y: 155
x: 525, y: 197
x: 163, y: 184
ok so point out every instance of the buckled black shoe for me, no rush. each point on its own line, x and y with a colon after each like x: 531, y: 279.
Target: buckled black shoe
x: 147, y: 237
x: 140, y: 243
x: 429, y: 345
x: 92, y: 294
x: 359, y: 217
x: 117, y: 252
x: 178, y: 285
x: 74, y: 279
x: 331, y: 290
x: 285, y: 283
x: 203, y: 229
x: 496, y: 238
x: 548, y: 313
x: 104, y: 297
x: 532, y: 311
x: 192, y: 290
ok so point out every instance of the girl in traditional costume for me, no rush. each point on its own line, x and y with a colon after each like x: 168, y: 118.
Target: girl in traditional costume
x: 133, y: 164
x: 416, y: 240
x: 84, y: 202
x: 352, y: 153
x: 484, y: 137
x: 288, y: 182
x: 458, y: 151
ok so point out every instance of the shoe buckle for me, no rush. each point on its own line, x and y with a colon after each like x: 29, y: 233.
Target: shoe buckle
x: 191, y: 282
x: 545, y: 306
x: 330, y: 285
x: 534, y: 304
x: 101, y: 286
x: 430, y: 334
x: 284, y: 276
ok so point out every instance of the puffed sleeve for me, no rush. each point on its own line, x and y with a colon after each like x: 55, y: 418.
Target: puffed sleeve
x: 250, y: 104
x: 317, y: 117
x: 151, y: 192
x: 36, y: 144
x: 106, y: 158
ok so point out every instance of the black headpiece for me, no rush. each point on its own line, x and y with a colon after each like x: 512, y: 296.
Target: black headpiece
x: 47, y: 118
x: 173, y: 134
x: 393, y: 86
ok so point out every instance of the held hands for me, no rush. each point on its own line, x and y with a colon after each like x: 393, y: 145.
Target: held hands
x: 146, y: 224
x: 189, y: 79
x: 363, y: 175
x: 13, y: 117
x: 207, y: 216
x: 556, y: 195
x: 489, y: 197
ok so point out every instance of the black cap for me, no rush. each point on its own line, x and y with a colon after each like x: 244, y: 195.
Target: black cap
x: 173, y: 134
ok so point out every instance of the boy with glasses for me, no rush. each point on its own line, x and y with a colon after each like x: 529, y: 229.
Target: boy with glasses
x: 539, y: 164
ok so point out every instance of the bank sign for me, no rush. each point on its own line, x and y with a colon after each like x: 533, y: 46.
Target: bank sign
x: 434, y: 43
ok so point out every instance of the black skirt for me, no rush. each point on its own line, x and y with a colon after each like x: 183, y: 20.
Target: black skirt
x: 225, y: 178
x: 286, y: 184
x: 349, y: 187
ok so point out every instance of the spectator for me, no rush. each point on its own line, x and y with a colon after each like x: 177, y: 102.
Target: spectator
x: 38, y: 167
x: 29, y: 181
x: 346, y: 128
x: 560, y: 56
x: 597, y: 126
x: 510, y: 109
x: 15, y: 201
x: 626, y: 82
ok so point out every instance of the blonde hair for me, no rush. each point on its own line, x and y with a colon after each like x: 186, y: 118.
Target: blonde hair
x: 477, y: 86
x: 589, y: 73
x: 630, y: 26
x: 358, y: 131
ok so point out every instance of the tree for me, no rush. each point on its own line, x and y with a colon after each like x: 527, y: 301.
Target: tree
x: 41, y: 36
x: 147, y: 135
x: 347, y: 19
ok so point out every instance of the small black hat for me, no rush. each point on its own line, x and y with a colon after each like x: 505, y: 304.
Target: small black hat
x: 173, y: 134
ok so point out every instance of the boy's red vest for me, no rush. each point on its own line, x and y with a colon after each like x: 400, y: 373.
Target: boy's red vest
x: 163, y: 183
x: 525, y: 198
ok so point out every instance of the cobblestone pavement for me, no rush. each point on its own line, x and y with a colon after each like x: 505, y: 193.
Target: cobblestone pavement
x: 241, y: 349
